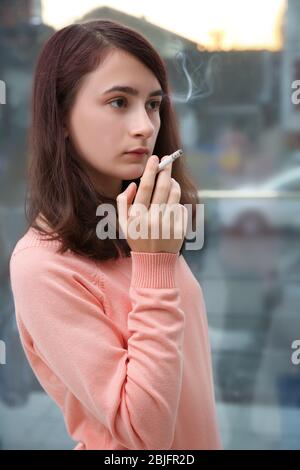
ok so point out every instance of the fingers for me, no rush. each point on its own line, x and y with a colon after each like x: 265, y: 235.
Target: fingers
x: 175, y: 192
x: 127, y: 195
x: 180, y: 212
x: 163, y: 184
x: 124, y: 201
x: 144, y: 193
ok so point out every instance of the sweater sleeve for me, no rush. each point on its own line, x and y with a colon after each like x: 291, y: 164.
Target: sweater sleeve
x: 131, y: 387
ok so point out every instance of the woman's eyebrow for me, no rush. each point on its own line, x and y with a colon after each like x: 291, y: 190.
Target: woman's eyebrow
x: 132, y: 91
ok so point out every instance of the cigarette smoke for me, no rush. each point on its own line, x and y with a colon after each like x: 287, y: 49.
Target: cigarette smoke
x: 200, y: 78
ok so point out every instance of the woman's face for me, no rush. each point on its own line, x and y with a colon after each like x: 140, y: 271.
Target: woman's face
x: 104, y: 125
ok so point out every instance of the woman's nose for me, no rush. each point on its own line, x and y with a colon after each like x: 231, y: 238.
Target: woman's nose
x: 142, y: 124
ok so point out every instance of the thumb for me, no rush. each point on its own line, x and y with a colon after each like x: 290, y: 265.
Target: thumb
x: 127, y: 195
x: 124, y: 201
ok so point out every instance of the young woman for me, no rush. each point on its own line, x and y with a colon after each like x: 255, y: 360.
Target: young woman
x: 115, y: 329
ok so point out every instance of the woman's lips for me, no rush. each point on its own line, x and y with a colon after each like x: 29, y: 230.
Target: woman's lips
x: 135, y: 154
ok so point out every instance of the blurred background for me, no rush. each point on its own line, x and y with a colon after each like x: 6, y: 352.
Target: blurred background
x: 233, y: 67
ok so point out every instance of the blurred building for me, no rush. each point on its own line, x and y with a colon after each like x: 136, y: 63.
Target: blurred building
x: 214, y: 92
x: 290, y: 81
x: 290, y: 71
x: 22, y: 35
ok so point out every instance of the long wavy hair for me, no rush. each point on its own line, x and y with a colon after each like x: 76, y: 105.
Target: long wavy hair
x: 57, y: 185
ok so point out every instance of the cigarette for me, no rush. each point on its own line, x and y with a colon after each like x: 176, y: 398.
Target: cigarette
x: 169, y: 159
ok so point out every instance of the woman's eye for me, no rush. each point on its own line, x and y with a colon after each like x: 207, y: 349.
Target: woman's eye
x: 153, y: 108
x: 116, y: 100
x: 157, y: 105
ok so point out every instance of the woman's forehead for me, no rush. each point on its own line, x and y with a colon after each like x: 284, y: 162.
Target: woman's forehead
x: 120, y: 68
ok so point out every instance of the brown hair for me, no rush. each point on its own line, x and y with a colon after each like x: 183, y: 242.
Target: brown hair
x: 58, y: 187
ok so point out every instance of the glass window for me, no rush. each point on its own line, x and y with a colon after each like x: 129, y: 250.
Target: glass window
x: 235, y: 92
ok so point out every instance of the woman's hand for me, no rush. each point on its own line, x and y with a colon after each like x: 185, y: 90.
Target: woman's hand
x: 156, y: 208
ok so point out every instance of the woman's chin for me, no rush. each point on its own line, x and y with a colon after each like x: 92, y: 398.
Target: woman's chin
x: 134, y: 172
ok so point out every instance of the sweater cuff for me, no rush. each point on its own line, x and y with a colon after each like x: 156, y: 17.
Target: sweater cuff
x: 153, y: 270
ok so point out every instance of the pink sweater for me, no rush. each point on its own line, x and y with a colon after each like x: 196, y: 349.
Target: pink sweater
x: 121, y: 346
